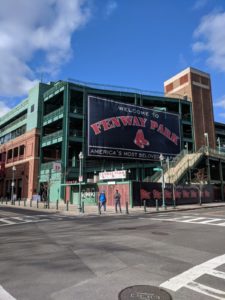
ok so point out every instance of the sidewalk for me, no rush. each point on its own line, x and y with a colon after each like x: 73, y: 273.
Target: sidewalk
x: 73, y: 210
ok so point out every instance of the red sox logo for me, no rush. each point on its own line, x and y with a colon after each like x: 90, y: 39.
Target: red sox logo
x: 140, y: 140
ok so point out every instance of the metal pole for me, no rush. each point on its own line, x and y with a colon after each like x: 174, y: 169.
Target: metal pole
x: 79, y: 207
x: 163, y: 195
x: 80, y: 179
x: 127, y: 211
x: 174, y: 196
x: 82, y: 207
x: 145, y: 210
x: 200, y: 194
x: 12, y: 191
x: 157, y: 204
x: 168, y: 167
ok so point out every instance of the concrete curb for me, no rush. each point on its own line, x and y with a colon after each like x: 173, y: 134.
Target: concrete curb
x: 132, y: 211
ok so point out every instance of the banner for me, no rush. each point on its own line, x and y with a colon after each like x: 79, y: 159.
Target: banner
x: 120, y: 174
x: 183, y: 194
x: 121, y: 130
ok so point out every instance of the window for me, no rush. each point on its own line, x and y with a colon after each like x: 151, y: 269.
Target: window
x: 9, y: 156
x: 21, y: 150
x: 32, y: 108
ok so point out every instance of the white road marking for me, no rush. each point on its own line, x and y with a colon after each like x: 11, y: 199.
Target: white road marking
x: 216, y: 273
x: 5, y: 221
x: 220, y: 224
x: 206, y: 290
x: 211, y: 221
x: 192, y: 220
x: 19, y: 220
x: 192, y: 274
x: 4, y: 295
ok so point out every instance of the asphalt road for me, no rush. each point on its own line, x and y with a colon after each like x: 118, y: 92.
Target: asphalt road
x: 48, y: 256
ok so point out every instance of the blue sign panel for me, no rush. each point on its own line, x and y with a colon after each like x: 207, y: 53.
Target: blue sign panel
x: 121, y: 130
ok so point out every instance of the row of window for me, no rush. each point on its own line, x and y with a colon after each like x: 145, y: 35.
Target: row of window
x: 14, y: 153
x: 12, y: 135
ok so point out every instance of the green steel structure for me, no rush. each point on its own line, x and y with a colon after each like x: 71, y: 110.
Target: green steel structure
x: 24, y: 117
x: 63, y: 128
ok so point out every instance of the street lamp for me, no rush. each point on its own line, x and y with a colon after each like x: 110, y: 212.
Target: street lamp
x: 207, y: 140
x: 168, y: 167
x: 81, y: 157
x: 13, y: 183
x: 161, y: 158
x: 189, y: 171
x: 218, y: 141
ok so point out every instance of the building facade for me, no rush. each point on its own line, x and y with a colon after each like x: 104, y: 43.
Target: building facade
x: 64, y: 133
x: 43, y: 137
x: 196, y: 86
x: 19, y: 146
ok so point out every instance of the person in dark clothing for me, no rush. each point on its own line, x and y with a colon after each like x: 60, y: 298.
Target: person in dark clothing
x: 102, y: 200
x: 117, y: 198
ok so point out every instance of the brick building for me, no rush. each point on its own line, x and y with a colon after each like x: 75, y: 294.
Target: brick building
x: 196, y: 86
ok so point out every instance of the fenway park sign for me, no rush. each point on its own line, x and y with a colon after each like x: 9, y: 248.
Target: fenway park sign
x: 127, y: 131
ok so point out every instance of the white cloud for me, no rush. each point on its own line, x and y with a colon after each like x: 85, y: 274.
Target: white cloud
x: 210, y: 38
x: 111, y: 6
x: 222, y: 115
x: 220, y: 102
x: 43, y: 27
x: 199, y: 4
x: 4, y: 108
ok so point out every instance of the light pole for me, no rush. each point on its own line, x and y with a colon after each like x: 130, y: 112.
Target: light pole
x: 168, y: 167
x: 207, y: 140
x: 161, y: 158
x: 189, y: 171
x: 13, y: 183
x: 218, y: 141
x: 81, y: 157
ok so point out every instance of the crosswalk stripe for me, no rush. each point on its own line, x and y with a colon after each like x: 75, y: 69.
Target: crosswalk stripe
x: 6, y: 221
x: 221, y: 224
x: 4, y: 295
x: 17, y: 218
x: 211, y: 221
x: 192, y: 274
x: 193, y: 220
x: 206, y: 290
x: 216, y: 273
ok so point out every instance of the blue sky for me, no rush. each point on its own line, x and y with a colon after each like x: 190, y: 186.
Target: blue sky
x: 133, y: 43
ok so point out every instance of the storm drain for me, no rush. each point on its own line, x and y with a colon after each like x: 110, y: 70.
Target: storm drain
x: 144, y: 292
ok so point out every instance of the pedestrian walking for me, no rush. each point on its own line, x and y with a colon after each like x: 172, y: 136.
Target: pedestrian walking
x: 117, y: 198
x: 102, y: 200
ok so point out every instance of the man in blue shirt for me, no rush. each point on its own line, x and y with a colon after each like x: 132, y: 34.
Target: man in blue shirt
x: 102, y: 200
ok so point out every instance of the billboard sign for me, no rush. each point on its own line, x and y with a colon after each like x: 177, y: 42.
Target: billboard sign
x: 122, y: 130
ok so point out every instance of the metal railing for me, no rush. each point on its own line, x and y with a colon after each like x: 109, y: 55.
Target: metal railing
x: 190, y: 161
x: 52, y: 136
x: 53, y: 114
x: 55, y: 88
x: 115, y: 88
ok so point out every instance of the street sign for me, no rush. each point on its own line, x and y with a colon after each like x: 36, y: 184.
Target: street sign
x: 80, y: 178
x: 157, y: 169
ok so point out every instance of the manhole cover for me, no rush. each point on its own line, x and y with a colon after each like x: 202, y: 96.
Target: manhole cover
x: 144, y: 292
